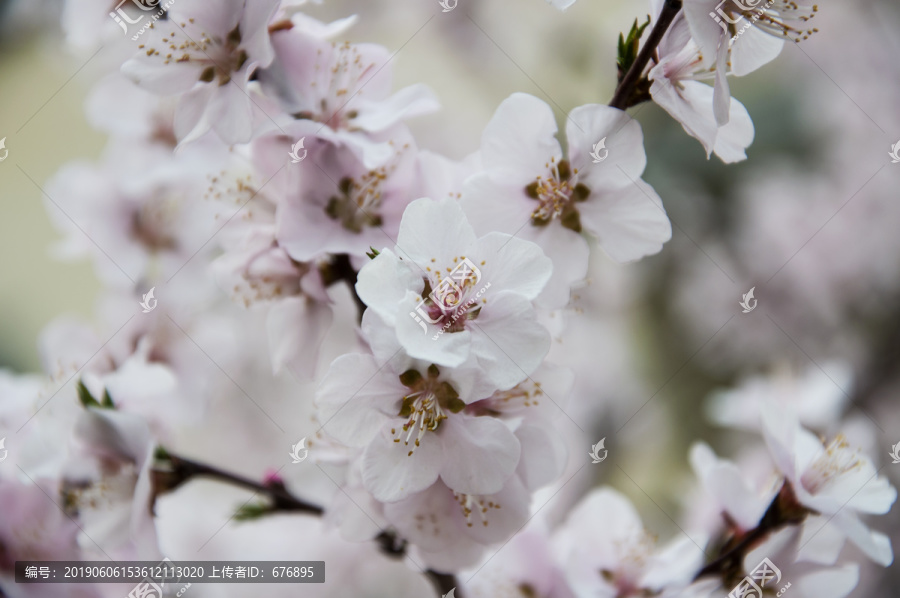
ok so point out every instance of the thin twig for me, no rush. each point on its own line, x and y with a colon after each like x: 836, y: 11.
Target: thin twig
x: 623, y: 94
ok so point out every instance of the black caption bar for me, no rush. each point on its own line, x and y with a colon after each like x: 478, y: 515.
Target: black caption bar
x: 159, y: 574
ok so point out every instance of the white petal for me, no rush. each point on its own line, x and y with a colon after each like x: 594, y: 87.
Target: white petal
x: 511, y: 264
x: 496, y: 205
x: 520, y: 139
x: 753, y: 49
x: 390, y: 473
x: 629, y: 223
x: 296, y: 327
x: 544, y: 456
x: 507, y: 339
x: 876, y: 545
x: 383, y: 284
x: 423, y: 340
x: 434, y: 230
x: 353, y: 398
x: 829, y: 583
x: 483, y: 454
x: 409, y: 102
x: 589, y: 124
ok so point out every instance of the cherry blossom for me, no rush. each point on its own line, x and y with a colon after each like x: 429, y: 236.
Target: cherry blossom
x: 701, y: 109
x: 206, y: 53
x: 529, y: 189
x: 452, y: 298
x: 832, y: 480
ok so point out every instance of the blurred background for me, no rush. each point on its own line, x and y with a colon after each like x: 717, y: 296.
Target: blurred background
x: 810, y: 220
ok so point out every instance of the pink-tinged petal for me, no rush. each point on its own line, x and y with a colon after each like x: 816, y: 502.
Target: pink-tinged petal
x: 255, y: 30
x: 820, y: 541
x: 354, y: 399
x: 507, y: 339
x: 753, y: 49
x: 724, y: 481
x: 493, y: 204
x: 491, y: 525
x: 296, y: 327
x: 584, y: 550
x: 677, y: 36
x: 231, y: 114
x: 591, y: 123
x: 674, y: 564
x: 482, y: 454
x: 409, y: 102
x: 169, y: 79
x: 829, y: 583
x: 434, y: 230
x: 511, y: 264
x: 520, y: 140
x: 429, y: 519
x: 391, y: 471
x: 191, y: 113
x: 875, y: 545
x: 543, y: 458
x: 215, y: 17
x: 629, y: 223
x: 372, y: 153
x: 425, y: 341
x: 384, y: 283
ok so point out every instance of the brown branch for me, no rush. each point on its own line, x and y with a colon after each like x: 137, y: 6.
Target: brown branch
x: 623, y: 97
x: 178, y: 470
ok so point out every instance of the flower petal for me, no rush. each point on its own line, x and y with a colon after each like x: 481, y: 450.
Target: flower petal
x: 482, y: 454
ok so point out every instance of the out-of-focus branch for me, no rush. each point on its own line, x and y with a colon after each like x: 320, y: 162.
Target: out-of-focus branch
x: 341, y: 270
x: 173, y: 471
x: 622, y: 99
x: 785, y: 510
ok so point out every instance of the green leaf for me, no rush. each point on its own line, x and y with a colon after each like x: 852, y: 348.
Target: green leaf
x: 629, y: 46
x: 252, y: 511
x: 372, y: 253
x: 85, y: 397
x: 107, y: 402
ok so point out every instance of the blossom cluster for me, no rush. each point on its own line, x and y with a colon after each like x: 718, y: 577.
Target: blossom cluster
x: 278, y: 253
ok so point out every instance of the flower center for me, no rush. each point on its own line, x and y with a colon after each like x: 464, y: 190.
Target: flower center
x: 220, y: 57
x: 837, y: 460
x: 781, y: 18
x: 347, y: 72
x: 557, y: 195
x: 428, y: 403
x: 471, y: 504
x: 452, y: 297
x: 357, y: 203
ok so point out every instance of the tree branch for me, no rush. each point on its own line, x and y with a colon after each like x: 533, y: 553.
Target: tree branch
x: 622, y: 99
x: 179, y: 470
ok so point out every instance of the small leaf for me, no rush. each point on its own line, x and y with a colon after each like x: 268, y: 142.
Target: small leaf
x: 372, y: 253
x: 85, y: 397
x: 252, y: 511
x: 107, y: 402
